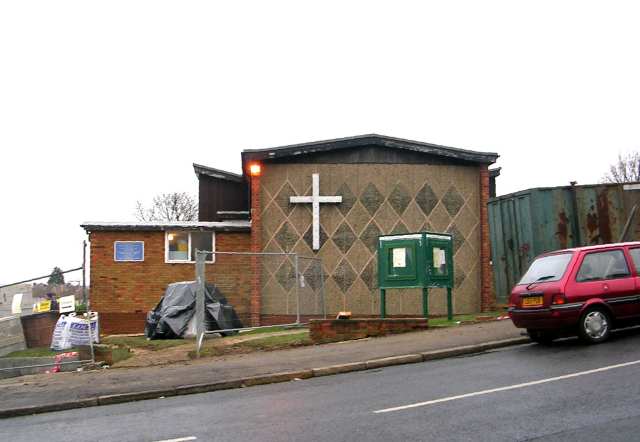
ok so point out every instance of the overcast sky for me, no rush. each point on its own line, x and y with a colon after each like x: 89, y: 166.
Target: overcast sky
x: 106, y: 103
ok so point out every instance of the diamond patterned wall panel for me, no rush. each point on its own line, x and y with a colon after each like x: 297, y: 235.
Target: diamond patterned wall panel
x: 312, y: 278
x: 458, y: 238
x: 358, y: 256
x: 426, y: 199
x: 369, y: 236
x: 344, y: 276
x: 371, y: 198
x: 369, y: 275
x: 282, y: 198
x: 452, y: 201
x: 308, y: 237
x: 376, y: 199
x: 400, y: 229
x: 348, y: 199
x: 286, y: 275
x: 458, y: 276
x: 286, y: 237
x: 399, y: 198
x: 344, y: 237
x: 358, y: 218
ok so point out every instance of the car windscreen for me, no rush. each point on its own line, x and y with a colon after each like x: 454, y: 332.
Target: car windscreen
x: 547, y: 268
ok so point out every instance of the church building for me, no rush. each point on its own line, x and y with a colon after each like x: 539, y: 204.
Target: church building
x: 328, y: 200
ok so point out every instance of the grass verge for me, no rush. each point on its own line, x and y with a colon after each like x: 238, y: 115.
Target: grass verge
x: 272, y: 329
x: 37, y: 352
x: 143, y: 343
x: 259, y: 344
x: 463, y: 319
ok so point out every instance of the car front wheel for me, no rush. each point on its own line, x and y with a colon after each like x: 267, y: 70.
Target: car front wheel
x: 594, y: 326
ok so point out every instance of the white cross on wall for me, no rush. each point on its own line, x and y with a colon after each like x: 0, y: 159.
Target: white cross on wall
x: 315, y: 199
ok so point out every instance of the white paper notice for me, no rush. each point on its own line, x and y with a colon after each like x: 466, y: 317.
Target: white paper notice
x: 16, y: 304
x: 67, y: 304
x: 399, y: 257
x: 438, y: 258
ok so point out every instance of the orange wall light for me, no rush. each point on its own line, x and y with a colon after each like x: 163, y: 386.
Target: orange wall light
x: 255, y: 169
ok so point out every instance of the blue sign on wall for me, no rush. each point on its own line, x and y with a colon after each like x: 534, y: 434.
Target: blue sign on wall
x: 128, y: 251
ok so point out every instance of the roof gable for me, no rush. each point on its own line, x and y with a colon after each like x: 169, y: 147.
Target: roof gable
x: 368, y: 140
x: 216, y: 173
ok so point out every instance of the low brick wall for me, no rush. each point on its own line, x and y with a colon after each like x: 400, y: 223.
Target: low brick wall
x: 334, y: 330
x: 11, y: 335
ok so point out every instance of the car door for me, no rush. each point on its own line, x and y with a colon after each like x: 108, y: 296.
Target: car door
x: 605, y: 274
x: 634, y: 253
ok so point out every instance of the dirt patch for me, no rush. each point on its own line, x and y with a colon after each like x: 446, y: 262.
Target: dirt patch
x: 215, y: 346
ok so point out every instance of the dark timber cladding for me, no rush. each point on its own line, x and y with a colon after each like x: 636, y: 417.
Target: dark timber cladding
x: 220, y: 191
x: 371, y: 148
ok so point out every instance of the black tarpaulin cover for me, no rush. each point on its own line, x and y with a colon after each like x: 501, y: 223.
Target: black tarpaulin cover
x: 170, y: 318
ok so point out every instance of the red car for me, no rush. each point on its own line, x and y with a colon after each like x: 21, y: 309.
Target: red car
x: 585, y: 291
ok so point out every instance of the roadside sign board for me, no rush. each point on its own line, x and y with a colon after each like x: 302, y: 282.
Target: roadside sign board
x: 43, y: 306
x: 67, y: 304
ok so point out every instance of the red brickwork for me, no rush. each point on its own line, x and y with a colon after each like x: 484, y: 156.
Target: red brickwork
x: 335, y: 330
x: 123, y: 292
x: 256, y: 247
x: 487, y: 300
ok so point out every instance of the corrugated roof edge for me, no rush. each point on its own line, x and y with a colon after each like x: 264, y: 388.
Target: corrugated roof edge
x: 531, y: 189
x: 199, y: 169
x: 217, y: 226
x: 369, y: 139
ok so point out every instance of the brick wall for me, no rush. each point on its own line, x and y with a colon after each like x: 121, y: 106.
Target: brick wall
x: 336, y: 330
x: 487, y: 300
x: 123, y: 292
x: 256, y: 247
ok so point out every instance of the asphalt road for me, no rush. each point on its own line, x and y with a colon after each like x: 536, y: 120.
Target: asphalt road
x: 565, y: 392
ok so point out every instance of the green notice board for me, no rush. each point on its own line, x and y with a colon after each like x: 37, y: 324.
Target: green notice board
x: 415, y: 260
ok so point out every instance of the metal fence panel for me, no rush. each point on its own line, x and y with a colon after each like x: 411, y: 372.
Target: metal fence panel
x: 291, y: 287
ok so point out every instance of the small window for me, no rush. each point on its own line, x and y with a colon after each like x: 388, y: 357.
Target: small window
x: 181, y: 246
x: 635, y: 256
x: 603, y: 265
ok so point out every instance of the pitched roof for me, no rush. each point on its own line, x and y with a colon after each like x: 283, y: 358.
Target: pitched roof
x: 216, y: 173
x: 369, y: 140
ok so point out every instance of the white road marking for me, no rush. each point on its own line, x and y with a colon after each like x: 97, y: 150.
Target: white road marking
x: 509, y: 387
x: 180, y: 439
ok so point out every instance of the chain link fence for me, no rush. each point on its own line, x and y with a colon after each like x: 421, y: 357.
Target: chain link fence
x: 290, y: 288
x: 30, y: 323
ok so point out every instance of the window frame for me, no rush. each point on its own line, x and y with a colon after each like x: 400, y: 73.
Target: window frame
x: 187, y: 261
x: 585, y: 255
x: 635, y: 268
x: 567, y: 268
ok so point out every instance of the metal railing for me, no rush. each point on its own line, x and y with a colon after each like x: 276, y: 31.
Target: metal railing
x: 293, y: 283
x: 85, y: 300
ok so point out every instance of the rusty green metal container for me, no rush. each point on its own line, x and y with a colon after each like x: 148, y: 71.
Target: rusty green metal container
x: 527, y: 223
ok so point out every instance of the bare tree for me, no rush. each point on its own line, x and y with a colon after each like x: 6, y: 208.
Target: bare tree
x: 625, y: 170
x: 175, y: 206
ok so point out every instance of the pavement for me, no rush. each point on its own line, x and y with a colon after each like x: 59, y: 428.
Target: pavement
x: 568, y: 391
x: 61, y: 391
